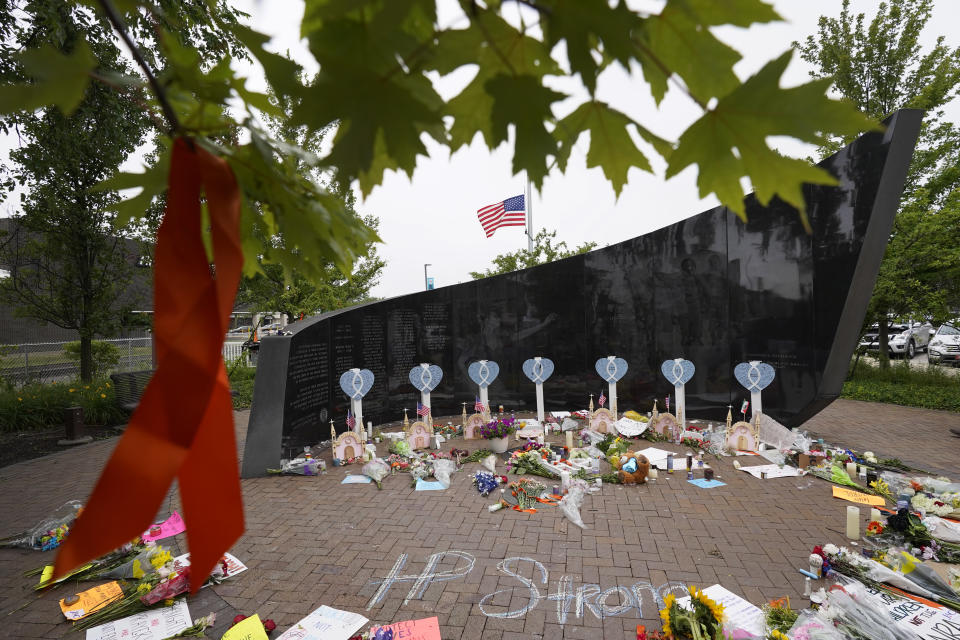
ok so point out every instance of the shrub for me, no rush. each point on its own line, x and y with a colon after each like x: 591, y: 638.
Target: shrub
x: 928, y: 387
x: 40, y: 406
x: 241, y: 381
x: 105, y: 356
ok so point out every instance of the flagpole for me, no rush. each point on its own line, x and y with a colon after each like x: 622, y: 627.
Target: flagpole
x: 528, y: 204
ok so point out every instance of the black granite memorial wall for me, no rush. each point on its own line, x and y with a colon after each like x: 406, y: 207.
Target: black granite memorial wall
x: 710, y: 288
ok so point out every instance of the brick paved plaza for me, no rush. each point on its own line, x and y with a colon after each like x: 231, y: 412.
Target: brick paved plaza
x: 312, y: 541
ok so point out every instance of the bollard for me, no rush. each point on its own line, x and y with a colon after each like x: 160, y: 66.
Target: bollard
x: 73, y: 427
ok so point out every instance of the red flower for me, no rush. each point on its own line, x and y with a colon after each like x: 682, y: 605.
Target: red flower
x: 269, y: 625
x: 239, y: 618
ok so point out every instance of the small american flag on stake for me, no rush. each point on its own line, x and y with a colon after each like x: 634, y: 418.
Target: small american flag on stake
x: 351, y: 421
x: 478, y: 406
x: 602, y: 399
x: 509, y: 213
x: 423, y: 410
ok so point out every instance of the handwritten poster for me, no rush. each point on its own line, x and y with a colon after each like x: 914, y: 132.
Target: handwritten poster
x: 423, y: 629
x: 926, y: 622
x: 168, y: 528
x: 738, y: 613
x: 86, y: 602
x: 247, y: 629
x: 855, y: 496
x: 155, y: 624
x: 325, y: 623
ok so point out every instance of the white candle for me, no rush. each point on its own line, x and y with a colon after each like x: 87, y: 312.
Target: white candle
x: 875, y: 515
x: 853, y: 523
x: 652, y: 474
x: 852, y: 469
x: 569, y: 439
x: 564, y: 481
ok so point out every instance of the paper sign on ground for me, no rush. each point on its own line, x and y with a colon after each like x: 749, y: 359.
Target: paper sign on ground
x: 772, y: 471
x: 169, y: 527
x: 738, y: 613
x: 86, y: 602
x: 855, y: 496
x: 658, y: 457
x: 155, y: 624
x: 924, y: 621
x: 428, y: 485
x: 356, y: 479
x: 703, y: 483
x: 234, y: 566
x: 424, y: 629
x: 247, y: 629
x: 325, y: 623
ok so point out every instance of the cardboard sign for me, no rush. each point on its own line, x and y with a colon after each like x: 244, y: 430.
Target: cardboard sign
x: 424, y: 629
x: 247, y: 629
x: 325, y: 623
x: 169, y: 527
x: 155, y: 624
x: 86, y: 602
x: 856, y: 496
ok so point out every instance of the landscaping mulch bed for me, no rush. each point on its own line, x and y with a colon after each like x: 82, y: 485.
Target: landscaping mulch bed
x: 17, y: 446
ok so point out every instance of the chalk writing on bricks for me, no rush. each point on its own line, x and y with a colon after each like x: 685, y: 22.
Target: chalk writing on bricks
x: 568, y: 598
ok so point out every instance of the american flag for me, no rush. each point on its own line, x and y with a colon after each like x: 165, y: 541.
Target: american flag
x: 602, y: 399
x: 509, y: 213
x: 423, y: 410
x: 478, y: 406
x: 351, y: 421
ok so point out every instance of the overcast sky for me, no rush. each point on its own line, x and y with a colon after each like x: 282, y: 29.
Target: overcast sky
x: 432, y: 218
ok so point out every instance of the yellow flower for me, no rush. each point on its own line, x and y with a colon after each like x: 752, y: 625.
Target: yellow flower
x: 19, y: 399
x: 160, y: 558
x: 108, y: 385
x: 168, y: 602
x: 143, y: 588
x: 665, y: 612
x: 777, y: 635
x: 71, y: 390
x: 86, y: 387
x: 137, y: 570
x: 103, y: 395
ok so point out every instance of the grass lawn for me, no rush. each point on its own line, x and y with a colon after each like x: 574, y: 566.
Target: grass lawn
x: 927, y: 387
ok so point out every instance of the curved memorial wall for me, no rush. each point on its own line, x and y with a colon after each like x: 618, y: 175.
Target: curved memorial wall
x: 710, y: 288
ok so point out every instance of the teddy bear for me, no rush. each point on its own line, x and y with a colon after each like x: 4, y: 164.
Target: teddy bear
x: 632, y: 468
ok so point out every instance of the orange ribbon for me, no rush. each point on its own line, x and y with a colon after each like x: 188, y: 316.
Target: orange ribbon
x: 183, y: 426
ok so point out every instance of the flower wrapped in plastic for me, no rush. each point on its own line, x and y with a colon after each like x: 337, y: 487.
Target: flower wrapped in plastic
x: 442, y: 469
x: 401, y: 448
x: 703, y: 620
x: 857, y: 613
x: 376, y: 469
x: 490, y: 463
x: 527, y: 491
x: 571, y: 503
x: 298, y: 467
x: 485, y: 482
x: 49, y: 532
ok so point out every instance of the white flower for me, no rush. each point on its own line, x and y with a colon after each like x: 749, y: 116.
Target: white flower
x: 831, y: 549
x: 164, y: 572
x: 150, y: 544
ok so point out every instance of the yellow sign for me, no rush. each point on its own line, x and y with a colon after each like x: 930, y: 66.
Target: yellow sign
x: 856, y: 496
x: 247, y: 629
x: 86, y: 602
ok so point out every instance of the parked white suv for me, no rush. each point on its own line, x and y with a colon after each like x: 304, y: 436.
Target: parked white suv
x: 945, y: 346
x: 903, y: 339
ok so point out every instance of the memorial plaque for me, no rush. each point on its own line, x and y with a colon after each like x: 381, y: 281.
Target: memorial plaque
x: 711, y: 289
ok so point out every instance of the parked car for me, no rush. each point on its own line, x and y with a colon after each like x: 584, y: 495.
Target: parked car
x: 904, y: 339
x: 945, y: 346
x: 243, y: 330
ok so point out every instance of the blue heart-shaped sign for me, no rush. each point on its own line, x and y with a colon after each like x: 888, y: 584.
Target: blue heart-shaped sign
x: 426, y: 377
x: 754, y: 375
x: 677, y: 371
x: 356, y: 382
x: 483, y: 372
x: 611, y: 369
x: 538, y: 369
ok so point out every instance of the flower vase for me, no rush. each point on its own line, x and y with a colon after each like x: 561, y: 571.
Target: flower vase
x: 499, y: 445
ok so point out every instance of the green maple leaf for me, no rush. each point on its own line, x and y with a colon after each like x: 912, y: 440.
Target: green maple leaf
x: 739, y: 13
x: 729, y: 141
x: 58, y: 79
x: 674, y: 40
x: 524, y: 102
x: 281, y: 72
x: 584, y: 25
x: 611, y: 146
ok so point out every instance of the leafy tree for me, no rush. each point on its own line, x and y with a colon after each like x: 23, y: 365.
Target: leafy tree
x: 543, y: 251
x: 70, y: 262
x: 881, y: 67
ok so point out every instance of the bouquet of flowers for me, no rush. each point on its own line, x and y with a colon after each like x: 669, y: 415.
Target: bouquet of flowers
x: 917, y: 535
x: 531, y: 462
x: 704, y: 621
x: 477, y: 455
x: 378, y: 470
x: 527, y: 491
x: 485, y: 482
x: 298, y: 467
x: 397, y: 463
x: 401, y: 448
x: 447, y: 430
x: 49, y: 532
x: 459, y: 454
x: 498, y: 428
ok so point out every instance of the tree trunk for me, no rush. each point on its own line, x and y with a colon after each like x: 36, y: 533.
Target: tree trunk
x: 86, y: 358
x: 884, y: 339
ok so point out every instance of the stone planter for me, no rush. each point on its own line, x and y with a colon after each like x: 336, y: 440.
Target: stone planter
x: 499, y: 445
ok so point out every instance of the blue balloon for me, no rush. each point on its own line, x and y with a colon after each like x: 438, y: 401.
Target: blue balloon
x: 483, y: 372
x: 538, y: 371
x: 426, y: 378
x: 611, y: 370
x: 754, y: 375
x: 678, y: 371
x: 356, y: 383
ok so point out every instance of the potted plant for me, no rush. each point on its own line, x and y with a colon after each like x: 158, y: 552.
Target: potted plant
x: 498, y: 432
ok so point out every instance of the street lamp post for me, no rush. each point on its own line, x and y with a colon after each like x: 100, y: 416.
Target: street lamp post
x: 426, y: 282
